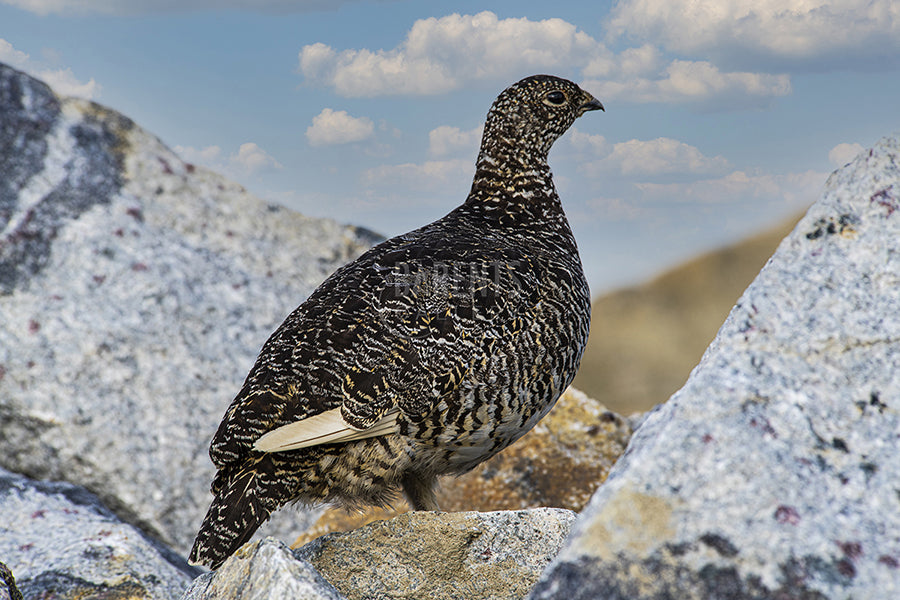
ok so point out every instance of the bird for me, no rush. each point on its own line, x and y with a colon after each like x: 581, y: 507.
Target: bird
x: 425, y: 356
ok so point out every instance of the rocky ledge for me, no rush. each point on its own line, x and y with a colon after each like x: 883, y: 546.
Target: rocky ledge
x: 452, y: 556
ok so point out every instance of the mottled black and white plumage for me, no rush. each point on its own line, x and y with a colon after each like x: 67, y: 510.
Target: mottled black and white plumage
x: 427, y: 355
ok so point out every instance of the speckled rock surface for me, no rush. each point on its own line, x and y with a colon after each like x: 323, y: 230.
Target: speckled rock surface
x: 60, y: 542
x: 774, y: 472
x: 135, y: 293
x: 446, y: 556
x: 263, y: 570
x: 559, y: 463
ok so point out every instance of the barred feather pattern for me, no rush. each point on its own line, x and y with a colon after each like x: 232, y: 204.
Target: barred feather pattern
x: 469, y: 328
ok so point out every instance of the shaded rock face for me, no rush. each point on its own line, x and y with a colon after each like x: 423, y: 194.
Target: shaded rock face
x: 61, y: 542
x: 135, y: 293
x: 773, y: 473
x: 493, y: 555
x: 51, y: 175
x: 560, y: 463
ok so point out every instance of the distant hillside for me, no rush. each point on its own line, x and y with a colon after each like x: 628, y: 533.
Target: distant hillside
x: 646, y: 339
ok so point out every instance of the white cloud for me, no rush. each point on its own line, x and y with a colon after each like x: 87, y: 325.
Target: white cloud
x: 118, y: 7
x: 446, y: 140
x: 631, y: 62
x: 431, y: 175
x: 11, y: 56
x: 662, y: 156
x: 443, y: 54
x: 793, y: 190
x: 62, y: 81
x: 643, y: 74
x: 745, y: 30
x: 615, y: 209
x: 651, y: 158
x: 331, y: 127
x: 594, y: 144
x: 842, y: 154
x: 692, y: 81
x: 426, y: 188
x: 45, y: 7
x: 249, y: 158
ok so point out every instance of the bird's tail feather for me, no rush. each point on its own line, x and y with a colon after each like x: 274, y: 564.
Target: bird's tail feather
x: 240, y: 506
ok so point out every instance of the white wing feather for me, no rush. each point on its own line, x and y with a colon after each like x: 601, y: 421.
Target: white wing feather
x: 328, y: 427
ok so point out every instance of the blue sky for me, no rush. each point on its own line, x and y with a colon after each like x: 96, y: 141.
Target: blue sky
x: 723, y: 116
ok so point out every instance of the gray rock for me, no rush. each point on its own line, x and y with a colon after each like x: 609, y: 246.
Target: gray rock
x: 135, y: 293
x: 61, y: 542
x: 263, y: 570
x: 774, y: 472
x: 447, y: 556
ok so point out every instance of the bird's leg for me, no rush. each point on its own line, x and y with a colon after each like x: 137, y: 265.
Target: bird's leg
x: 419, y: 491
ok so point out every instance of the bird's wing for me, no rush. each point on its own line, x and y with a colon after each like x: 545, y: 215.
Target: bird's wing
x: 386, y: 337
x: 328, y: 427
x: 454, y: 306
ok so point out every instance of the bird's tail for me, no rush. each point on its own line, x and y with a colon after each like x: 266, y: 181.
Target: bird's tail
x: 242, y: 503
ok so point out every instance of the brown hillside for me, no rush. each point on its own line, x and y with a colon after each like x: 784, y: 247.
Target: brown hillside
x: 645, y: 340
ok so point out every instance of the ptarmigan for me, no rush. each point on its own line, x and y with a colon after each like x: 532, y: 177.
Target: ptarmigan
x: 427, y: 355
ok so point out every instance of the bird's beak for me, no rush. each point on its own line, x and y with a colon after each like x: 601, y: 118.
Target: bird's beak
x: 590, y: 103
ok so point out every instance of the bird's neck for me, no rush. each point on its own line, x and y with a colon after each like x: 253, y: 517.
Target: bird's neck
x: 514, y: 187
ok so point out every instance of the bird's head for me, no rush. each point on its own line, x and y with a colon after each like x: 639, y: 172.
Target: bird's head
x: 532, y: 113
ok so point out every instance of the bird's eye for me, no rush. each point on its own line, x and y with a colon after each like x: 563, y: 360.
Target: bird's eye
x: 555, y: 98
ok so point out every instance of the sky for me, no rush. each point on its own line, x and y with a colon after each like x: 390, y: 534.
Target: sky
x: 723, y: 117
